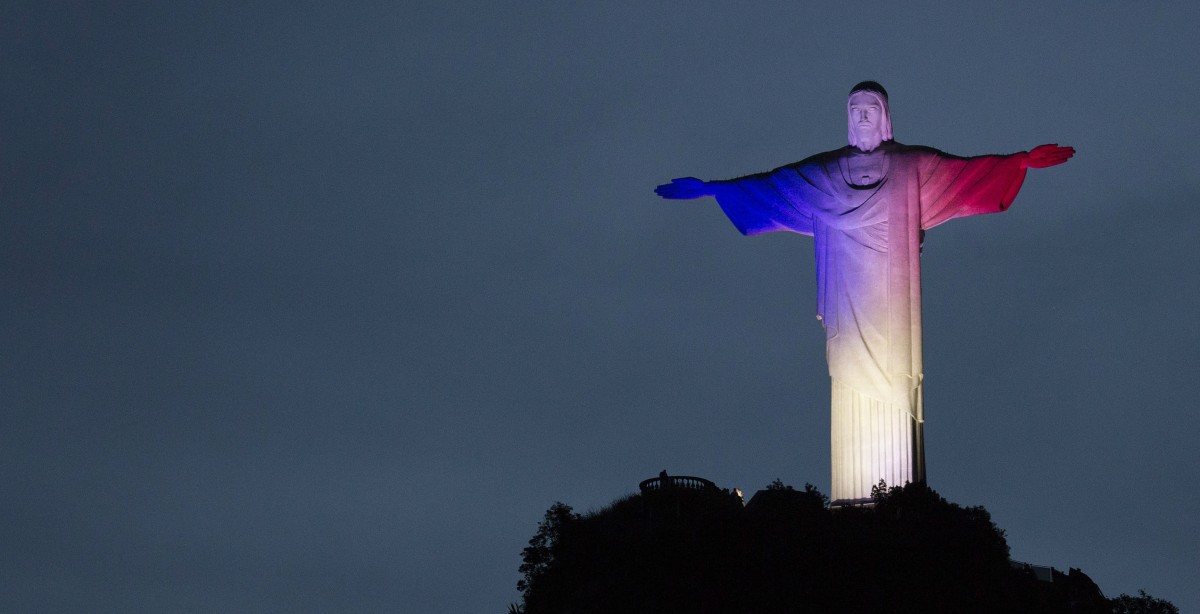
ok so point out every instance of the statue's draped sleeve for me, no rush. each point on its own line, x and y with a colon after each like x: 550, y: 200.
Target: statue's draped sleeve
x: 952, y: 186
x: 775, y: 201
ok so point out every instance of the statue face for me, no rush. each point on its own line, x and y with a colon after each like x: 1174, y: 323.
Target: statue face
x: 866, y: 117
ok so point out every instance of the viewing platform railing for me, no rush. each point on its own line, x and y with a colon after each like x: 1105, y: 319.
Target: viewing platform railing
x: 687, y: 482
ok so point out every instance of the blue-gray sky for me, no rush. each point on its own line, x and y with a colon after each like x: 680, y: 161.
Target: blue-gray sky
x: 318, y: 308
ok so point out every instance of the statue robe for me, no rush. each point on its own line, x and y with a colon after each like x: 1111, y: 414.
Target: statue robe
x: 867, y: 241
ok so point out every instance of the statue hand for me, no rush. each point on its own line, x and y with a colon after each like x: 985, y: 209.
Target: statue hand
x: 1047, y: 155
x: 684, y: 188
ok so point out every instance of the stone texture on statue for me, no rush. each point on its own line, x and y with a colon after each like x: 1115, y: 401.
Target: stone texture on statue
x: 867, y: 207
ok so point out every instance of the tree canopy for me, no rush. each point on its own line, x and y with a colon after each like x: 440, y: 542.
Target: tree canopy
x: 702, y: 550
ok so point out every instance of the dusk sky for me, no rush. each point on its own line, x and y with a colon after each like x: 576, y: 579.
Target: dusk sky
x: 310, y: 307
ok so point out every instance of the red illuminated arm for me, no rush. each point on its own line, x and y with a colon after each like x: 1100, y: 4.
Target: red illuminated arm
x: 1043, y: 156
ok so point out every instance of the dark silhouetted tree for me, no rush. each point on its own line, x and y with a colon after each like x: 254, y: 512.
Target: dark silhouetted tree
x: 701, y: 551
x: 538, y: 564
x: 1142, y: 604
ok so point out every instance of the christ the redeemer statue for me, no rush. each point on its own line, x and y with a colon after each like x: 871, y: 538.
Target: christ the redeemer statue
x: 867, y: 206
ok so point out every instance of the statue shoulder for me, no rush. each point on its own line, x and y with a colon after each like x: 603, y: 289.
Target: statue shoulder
x: 915, y: 153
x: 818, y: 161
x: 900, y: 149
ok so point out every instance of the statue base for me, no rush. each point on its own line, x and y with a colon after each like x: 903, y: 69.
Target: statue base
x: 872, y: 441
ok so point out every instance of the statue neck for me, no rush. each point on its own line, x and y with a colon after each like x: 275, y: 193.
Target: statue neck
x: 868, y: 146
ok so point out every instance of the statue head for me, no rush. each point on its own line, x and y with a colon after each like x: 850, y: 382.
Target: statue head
x: 868, y: 119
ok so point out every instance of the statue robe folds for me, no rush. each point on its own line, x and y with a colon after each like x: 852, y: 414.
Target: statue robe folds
x: 867, y: 241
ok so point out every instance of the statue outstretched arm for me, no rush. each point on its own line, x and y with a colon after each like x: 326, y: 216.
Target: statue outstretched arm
x: 752, y: 203
x: 683, y: 188
x: 1043, y: 156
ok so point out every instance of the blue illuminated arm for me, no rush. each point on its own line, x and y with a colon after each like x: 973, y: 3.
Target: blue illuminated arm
x: 752, y: 203
x: 684, y: 188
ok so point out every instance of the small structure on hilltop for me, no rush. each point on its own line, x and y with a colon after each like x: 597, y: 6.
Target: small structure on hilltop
x: 665, y: 482
x: 674, y: 487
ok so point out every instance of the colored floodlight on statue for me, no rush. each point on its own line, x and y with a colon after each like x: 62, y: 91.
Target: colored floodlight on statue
x: 867, y: 207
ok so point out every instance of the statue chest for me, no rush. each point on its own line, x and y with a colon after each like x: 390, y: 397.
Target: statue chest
x: 865, y: 170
